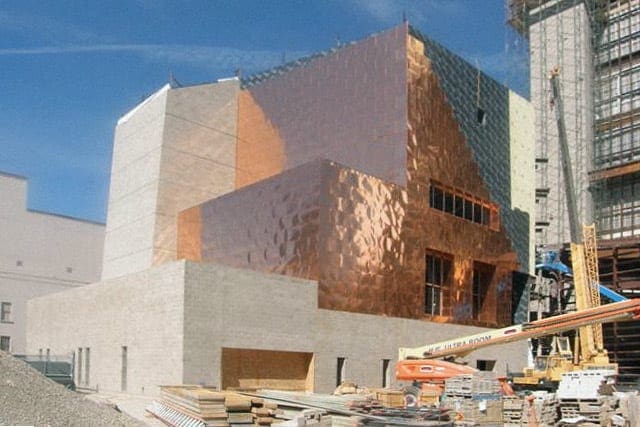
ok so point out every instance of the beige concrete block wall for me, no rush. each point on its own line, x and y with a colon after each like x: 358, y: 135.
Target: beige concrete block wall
x: 143, y: 311
x: 173, y: 151
x: 135, y: 171
x: 235, y: 308
x: 227, y: 307
x: 365, y: 340
x: 522, y: 146
x: 198, y: 155
x: 177, y: 318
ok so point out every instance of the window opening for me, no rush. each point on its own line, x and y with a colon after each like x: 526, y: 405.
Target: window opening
x: 385, y: 372
x: 123, y: 372
x: 5, y: 343
x: 437, y: 283
x: 340, y: 370
x: 5, y: 312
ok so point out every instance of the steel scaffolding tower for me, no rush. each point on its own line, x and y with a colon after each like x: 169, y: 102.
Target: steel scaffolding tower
x: 595, y: 44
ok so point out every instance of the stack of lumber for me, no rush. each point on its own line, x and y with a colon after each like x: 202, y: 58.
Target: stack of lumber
x: 244, y: 410
x: 389, y: 398
x: 238, y: 409
x: 192, y: 405
x: 265, y: 412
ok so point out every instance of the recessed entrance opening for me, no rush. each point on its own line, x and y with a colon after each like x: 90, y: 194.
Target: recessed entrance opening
x: 277, y: 370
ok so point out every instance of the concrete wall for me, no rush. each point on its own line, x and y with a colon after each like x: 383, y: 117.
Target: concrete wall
x: 522, y: 148
x: 174, y: 150
x: 177, y: 318
x: 40, y: 253
x: 142, y: 311
x: 133, y: 190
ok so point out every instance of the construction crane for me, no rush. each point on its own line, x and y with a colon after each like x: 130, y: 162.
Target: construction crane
x: 584, y: 258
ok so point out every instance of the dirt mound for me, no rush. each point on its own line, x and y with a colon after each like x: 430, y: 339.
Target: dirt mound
x: 29, y: 398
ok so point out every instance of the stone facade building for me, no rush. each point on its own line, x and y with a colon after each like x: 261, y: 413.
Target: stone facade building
x: 264, y: 232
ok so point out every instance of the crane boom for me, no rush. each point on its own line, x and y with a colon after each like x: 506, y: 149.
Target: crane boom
x: 570, y: 194
x: 618, y: 311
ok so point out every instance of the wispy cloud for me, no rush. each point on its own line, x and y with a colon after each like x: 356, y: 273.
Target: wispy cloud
x: 41, y: 27
x: 195, y: 55
x: 416, y: 11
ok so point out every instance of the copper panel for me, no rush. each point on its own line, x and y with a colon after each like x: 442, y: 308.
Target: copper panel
x: 437, y: 150
x: 363, y: 255
x: 364, y: 238
x: 349, y: 107
x: 269, y: 226
x: 260, y: 149
x: 189, y: 234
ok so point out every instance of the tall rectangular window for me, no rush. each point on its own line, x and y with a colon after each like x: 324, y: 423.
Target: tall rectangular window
x: 5, y: 343
x: 123, y: 371
x: 385, y: 372
x: 5, y: 312
x: 340, y: 370
x: 87, y: 364
x: 79, y: 379
x: 482, y: 276
x: 437, y: 283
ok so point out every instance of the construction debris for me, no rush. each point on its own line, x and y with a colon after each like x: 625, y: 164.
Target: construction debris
x: 29, y: 398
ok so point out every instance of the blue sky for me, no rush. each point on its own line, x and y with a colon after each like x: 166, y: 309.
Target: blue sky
x: 69, y: 69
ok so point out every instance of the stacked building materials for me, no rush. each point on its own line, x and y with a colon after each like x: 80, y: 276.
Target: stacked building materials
x: 587, y: 411
x: 389, y: 398
x: 540, y: 408
x: 238, y: 409
x: 475, y: 398
x: 265, y: 412
x: 582, y: 400
x: 191, y: 405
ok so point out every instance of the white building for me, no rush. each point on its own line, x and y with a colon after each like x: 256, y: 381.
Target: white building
x: 40, y: 253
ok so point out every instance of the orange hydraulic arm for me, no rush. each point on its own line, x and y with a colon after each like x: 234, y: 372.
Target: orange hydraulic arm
x: 618, y: 311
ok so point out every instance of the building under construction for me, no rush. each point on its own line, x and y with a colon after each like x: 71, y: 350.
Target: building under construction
x: 594, y: 45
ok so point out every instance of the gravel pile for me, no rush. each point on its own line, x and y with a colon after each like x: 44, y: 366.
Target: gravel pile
x: 29, y: 398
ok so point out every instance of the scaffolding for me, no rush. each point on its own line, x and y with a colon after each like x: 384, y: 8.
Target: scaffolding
x: 595, y: 44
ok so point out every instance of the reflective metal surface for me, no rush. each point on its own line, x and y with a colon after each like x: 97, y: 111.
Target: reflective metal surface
x: 349, y: 106
x: 437, y: 150
x: 363, y: 237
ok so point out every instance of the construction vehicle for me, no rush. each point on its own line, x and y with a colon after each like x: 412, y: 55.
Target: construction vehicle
x: 421, y: 365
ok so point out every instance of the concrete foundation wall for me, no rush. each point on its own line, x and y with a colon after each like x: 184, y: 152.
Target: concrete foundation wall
x: 203, y: 308
x: 142, y: 311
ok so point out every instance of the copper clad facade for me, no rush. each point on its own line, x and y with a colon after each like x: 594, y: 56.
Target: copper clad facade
x: 437, y: 150
x: 359, y: 223
x: 349, y: 106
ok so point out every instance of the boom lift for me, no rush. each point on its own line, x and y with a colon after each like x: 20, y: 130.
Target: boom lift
x: 420, y: 365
